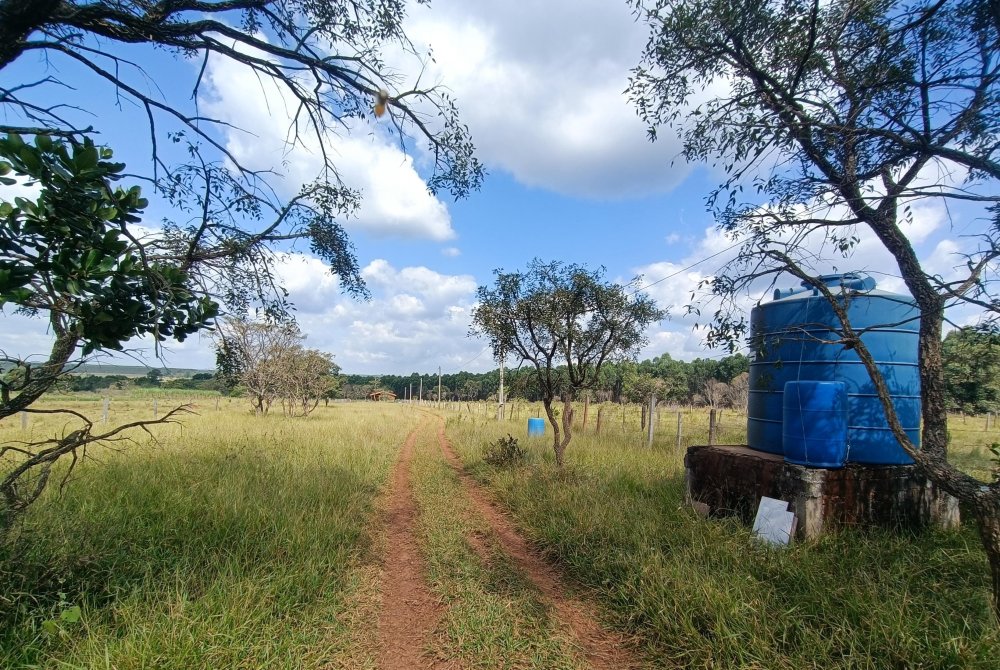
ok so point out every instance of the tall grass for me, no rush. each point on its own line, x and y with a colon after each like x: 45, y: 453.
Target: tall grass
x: 706, y: 594
x: 230, y: 542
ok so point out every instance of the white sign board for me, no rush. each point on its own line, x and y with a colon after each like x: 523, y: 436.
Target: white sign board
x: 774, y: 523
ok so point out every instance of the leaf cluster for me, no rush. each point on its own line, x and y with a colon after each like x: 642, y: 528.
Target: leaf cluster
x: 71, y: 254
x: 562, y: 314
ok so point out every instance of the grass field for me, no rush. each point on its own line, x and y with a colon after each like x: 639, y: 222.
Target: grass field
x: 705, y: 594
x: 241, y: 542
x: 233, y: 542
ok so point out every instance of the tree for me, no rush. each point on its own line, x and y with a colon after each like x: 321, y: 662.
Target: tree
x: 841, y: 115
x: 557, y: 314
x: 972, y: 370
x: 68, y: 256
x: 255, y: 354
x: 304, y: 377
x: 714, y: 392
x: 738, y: 393
x: 75, y: 255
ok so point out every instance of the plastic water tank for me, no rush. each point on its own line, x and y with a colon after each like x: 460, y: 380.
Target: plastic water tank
x: 814, y: 424
x: 791, y: 341
x: 536, y: 427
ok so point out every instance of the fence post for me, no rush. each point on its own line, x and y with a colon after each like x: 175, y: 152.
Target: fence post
x: 652, y: 416
x: 107, y: 401
x: 586, y: 408
x: 600, y: 419
x: 711, y: 427
x: 679, y: 415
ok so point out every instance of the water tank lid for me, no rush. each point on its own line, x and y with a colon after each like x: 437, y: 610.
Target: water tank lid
x: 855, y: 281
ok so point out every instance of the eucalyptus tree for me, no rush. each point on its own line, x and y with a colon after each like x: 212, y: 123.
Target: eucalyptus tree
x: 565, y: 321
x: 839, y: 116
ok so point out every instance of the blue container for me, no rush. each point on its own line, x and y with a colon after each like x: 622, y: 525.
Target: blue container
x: 814, y: 428
x: 536, y: 427
x: 790, y: 340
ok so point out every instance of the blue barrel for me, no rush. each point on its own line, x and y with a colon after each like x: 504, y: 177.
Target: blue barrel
x: 814, y: 428
x: 790, y: 340
x: 536, y: 427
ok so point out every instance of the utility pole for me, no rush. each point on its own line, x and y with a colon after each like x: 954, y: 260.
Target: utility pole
x: 439, y: 386
x: 500, y: 397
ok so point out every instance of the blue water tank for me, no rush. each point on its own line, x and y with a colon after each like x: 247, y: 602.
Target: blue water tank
x: 814, y: 424
x: 536, y: 427
x: 790, y: 337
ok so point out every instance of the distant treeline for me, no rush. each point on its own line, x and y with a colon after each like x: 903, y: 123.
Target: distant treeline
x: 202, y: 381
x: 701, y: 381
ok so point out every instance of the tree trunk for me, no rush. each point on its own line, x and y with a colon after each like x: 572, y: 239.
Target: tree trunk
x: 42, y: 377
x: 988, y: 520
x: 18, y: 19
x: 556, y: 436
x: 567, y: 419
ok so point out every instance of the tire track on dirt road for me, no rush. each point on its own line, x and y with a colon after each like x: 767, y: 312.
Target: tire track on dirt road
x: 603, y: 649
x: 409, y: 613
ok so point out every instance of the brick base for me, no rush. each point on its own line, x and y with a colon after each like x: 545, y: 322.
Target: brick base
x: 730, y: 480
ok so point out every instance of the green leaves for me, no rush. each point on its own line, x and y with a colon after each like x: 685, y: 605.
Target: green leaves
x: 67, y: 251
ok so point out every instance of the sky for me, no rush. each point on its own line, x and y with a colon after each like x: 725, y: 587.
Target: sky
x: 572, y: 177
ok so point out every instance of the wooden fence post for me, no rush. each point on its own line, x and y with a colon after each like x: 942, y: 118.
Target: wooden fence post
x: 600, y: 419
x: 652, y: 416
x: 711, y: 427
x: 679, y: 415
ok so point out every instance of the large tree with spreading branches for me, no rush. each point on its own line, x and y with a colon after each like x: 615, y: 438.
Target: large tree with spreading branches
x: 71, y: 249
x: 840, y: 116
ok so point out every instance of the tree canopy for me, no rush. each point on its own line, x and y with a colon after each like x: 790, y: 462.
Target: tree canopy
x: 566, y: 322
x: 972, y: 370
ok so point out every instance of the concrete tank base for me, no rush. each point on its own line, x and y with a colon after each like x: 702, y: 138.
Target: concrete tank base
x: 730, y: 480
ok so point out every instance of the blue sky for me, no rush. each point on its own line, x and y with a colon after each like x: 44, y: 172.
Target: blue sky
x: 572, y: 177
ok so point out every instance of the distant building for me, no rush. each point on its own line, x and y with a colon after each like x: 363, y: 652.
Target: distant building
x: 379, y: 396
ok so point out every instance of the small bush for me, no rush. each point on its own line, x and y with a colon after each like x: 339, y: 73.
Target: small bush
x: 504, y: 452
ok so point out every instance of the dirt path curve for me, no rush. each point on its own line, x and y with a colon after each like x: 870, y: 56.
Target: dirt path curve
x: 602, y: 649
x: 408, y: 613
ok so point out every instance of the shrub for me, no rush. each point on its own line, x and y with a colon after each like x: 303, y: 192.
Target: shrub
x: 504, y: 452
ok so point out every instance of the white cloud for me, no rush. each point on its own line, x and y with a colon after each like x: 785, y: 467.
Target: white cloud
x: 928, y: 231
x: 451, y: 252
x: 417, y: 319
x: 543, y: 92
x: 395, y: 202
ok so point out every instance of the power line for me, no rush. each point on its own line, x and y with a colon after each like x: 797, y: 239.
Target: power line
x: 685, y: 269
x: 474, y: 358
